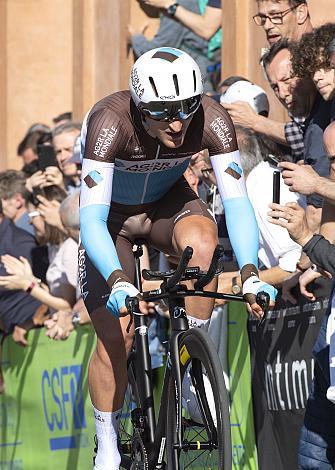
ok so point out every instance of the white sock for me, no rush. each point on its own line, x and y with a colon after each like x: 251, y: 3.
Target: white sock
x: 107, y: 427
x: 190, y: 401
x: 197, y: 322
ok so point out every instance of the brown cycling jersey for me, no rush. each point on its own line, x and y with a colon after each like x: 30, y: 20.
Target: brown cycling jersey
x: 143, y: 169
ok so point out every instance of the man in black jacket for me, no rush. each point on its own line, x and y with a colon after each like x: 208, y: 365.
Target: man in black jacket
x: 17, y: 308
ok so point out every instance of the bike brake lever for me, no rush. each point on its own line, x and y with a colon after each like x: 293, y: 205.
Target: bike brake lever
x: 130, y: 307
x: 263, y: 300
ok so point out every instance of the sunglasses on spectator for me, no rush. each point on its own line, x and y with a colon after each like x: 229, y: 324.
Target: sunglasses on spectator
x: 171, y: 110
x: 276, y: 18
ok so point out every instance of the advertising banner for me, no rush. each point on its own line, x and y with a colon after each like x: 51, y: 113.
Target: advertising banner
x: 282, y: 372
x: 46, y: 420
x: 241, y: 415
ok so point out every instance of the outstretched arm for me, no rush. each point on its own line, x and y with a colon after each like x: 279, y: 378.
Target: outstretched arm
x: 203, y: 25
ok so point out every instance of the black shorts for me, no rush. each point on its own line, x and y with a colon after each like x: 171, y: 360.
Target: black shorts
x: 153, y: 223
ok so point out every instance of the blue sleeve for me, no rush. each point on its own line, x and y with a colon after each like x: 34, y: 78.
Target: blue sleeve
x: 243, y: 230
x: 97, y: 240
x: 240, y: 217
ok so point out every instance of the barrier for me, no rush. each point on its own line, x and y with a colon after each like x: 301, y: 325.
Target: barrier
x: 46, y: 420
x: 241, y: 414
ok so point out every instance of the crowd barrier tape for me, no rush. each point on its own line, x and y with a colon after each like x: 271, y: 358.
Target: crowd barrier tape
x: 241, y: 413
x: 46, y: 420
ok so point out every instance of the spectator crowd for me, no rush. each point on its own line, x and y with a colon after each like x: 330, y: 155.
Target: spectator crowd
x: 39, y: 204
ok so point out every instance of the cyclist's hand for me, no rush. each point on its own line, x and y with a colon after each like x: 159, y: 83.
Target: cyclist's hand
x: 251, y: 287
x: 116, y: 303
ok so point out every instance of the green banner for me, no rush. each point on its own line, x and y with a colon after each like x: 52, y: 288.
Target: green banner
x: 46, y: 420
x: 241, y: 416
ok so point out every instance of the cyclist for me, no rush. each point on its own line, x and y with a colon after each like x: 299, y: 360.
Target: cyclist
x: 136, y: 146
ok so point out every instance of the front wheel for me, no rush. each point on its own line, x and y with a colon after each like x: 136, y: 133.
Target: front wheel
x: 132, y: 449
x: 206, y: 441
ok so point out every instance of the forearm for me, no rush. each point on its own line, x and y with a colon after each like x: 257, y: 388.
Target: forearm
x: 328, y: 221
x: 325, y: 188
x: 274, y: 276
x: 321, y: 252
x: 203, y: 25
x: 273, y: 129
x: 44, y: 296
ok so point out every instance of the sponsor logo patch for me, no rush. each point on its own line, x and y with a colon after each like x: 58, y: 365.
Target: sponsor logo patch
x: 93, y: 178
x: 234, y: 170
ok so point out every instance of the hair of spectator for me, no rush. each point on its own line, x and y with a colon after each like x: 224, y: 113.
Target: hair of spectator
x: 313, y: 45
x: 69, y: 210
x: 269, y: 147
x: 250, y: 151
x: 232, y: 79
x: 66, y: 128
x: 38, y: 126
x: 62, y: 117
x: 331, y: 48
x: 30, y: 141
x: 13, y: 182
x: 292, y: 3
x: 278, y: 46
x: 30, y: 168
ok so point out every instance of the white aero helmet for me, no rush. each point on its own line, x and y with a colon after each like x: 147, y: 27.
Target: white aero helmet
x: 166, y: 84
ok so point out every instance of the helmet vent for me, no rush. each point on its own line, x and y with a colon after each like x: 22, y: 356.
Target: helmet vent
x: 194, y: 80
x: 176, y: 85
x: 152, y: 83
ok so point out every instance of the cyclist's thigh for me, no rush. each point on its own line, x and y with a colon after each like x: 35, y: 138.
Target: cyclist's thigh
x: 93, y: 287
x: 179, y: 203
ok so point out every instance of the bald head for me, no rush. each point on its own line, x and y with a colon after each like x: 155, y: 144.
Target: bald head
x: 329, y: 139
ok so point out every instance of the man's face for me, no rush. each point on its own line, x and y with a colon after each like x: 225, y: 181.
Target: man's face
x: 63, y: 144
x: 9, y: 207
x: 171, y: 134
x: 296, y: 95
x: 275, y: 32
x: 324, y: 80
x: 279, y: 75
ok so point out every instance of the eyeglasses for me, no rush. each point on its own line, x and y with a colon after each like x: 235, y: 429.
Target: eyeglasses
x: 276, y: 18
x: 171, y: 110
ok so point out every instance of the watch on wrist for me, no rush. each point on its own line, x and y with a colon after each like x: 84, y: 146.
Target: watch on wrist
x: 235, y: 288
x: 75, y: 319
x: 171, y: 10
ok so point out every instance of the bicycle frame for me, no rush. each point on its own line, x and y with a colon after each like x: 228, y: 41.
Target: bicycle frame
x: 154, y: 438
x: 179, y: 324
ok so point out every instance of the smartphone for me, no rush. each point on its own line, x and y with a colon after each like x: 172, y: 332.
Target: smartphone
x: 272, y: 160
x: 276, y: 187
x: 46, y: 156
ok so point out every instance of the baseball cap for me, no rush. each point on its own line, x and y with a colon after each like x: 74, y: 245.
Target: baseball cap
x: 249, y: 92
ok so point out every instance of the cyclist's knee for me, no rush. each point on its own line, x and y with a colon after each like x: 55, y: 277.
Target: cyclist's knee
x: 203, y: 248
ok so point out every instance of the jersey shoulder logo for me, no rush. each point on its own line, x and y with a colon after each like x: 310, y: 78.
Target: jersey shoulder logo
x: 93, y: 178
x: 234, y: 170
